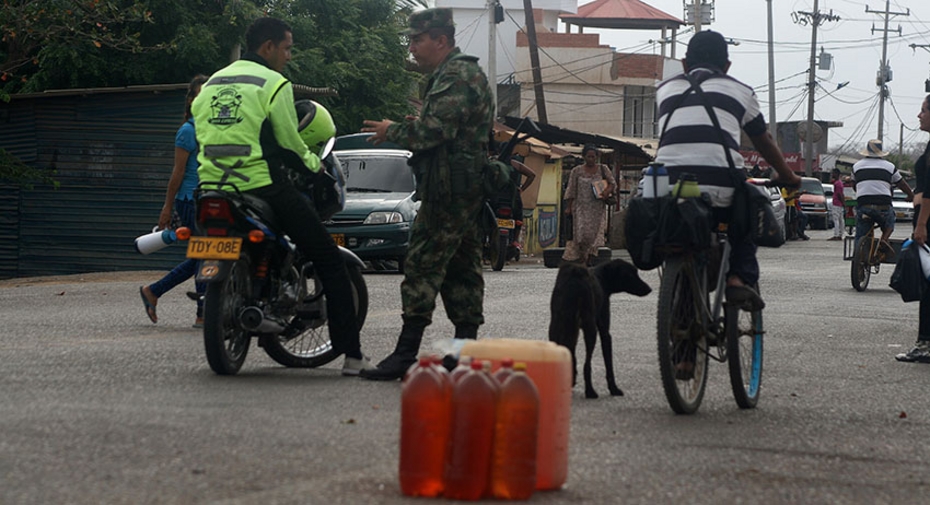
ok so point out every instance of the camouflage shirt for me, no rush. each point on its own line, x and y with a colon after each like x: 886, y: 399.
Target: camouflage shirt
x: 449, y: 139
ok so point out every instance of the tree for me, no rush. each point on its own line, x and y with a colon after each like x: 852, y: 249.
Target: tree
x: 61, y: 44
x: 13, y: 171
x: 354, y: 47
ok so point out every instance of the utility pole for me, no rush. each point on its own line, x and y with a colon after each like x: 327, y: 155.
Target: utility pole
x: 534, y: 61
x: 698, y: 12
x: 773, y: 126
x: 493, y: 5
x: 815, y: 19
x: 884, y: 72
x: 927, y: 48
x: 694, y: 13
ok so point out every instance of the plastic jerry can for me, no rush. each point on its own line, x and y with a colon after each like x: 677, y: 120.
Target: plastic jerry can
x: 550, y: 367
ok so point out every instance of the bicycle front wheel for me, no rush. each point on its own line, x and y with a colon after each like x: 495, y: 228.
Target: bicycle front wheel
x: 744, y: 354
x: 682, y: 341
x: 861, y: 269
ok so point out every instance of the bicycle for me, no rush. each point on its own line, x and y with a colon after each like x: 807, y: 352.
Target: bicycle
x: 865, y: 258
x: 866, y: 255
x: 689, y: 326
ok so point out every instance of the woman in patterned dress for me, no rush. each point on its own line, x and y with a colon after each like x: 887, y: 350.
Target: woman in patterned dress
x: 588, y: 211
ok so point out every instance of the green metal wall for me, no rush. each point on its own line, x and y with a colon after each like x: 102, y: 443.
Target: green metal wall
x: 112, y: 152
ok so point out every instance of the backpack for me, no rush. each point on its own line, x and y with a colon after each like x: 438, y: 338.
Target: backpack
x: 495, y: 177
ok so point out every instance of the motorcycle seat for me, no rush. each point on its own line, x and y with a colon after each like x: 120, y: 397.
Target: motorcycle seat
x: 264, y: 208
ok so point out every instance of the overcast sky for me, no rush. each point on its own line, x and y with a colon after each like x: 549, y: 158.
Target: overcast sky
x: 856, y: 54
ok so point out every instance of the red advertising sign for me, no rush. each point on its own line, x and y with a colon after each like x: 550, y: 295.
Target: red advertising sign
x: 794, y: 160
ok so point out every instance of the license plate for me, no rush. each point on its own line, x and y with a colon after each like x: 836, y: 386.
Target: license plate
x: 505, y: 223
x: 339, y: 239
x: 214, y: 248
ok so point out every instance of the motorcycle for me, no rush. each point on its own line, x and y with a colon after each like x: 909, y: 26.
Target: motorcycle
x: 500, y: 224
x: 258, y: 286
x: 501, y: 247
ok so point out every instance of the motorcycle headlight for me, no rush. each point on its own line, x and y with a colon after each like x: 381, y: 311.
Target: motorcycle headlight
x: 384, y: 218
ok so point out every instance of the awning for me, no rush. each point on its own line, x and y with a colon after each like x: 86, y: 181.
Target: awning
x: 556, y: 135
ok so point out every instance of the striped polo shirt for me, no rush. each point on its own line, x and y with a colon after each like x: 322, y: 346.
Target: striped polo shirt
x: 874, y: 180
x: 691, y: 144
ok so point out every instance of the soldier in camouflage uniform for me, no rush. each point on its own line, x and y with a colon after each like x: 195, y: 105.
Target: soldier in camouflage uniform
x: 449, y: 142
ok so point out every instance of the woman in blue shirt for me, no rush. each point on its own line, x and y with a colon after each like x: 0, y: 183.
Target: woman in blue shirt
x: 179, y: 198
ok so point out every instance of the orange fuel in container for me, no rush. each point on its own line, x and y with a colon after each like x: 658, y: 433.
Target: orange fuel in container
x: 425, y: 419
x: 550, y: 367
x: 474, y: 410
x: 513, y: 461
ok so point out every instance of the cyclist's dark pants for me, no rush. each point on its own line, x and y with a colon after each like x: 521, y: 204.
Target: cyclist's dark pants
x: 743, y: 262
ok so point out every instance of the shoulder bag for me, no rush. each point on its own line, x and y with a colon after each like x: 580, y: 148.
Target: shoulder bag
x: 610, y: 199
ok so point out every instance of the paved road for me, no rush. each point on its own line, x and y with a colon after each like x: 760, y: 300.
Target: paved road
x: 99, y: 406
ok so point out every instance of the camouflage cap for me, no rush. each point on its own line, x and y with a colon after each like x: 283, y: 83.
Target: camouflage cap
x: 428, y: 19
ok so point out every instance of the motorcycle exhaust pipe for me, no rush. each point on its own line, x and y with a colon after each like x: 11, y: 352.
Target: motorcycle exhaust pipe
x: 252, y: 319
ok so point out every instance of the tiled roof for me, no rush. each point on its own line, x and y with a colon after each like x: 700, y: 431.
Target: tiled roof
x: 623, y: 14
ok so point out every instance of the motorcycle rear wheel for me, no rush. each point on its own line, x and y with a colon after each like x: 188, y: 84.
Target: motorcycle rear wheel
x: 312, y: 346
x: 225, y: 341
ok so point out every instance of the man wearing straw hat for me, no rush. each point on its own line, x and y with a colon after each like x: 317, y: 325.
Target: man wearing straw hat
x: 873, y: 180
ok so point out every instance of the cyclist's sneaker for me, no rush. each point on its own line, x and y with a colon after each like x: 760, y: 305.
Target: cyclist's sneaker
x: 745, y: 296
x: 919, y: 354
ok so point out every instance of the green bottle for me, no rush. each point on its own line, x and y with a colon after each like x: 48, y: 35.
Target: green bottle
x: 687, y: 187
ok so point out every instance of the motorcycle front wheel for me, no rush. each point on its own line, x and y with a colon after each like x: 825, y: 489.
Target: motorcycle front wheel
x: 309, y: 344
x: 225, y: 341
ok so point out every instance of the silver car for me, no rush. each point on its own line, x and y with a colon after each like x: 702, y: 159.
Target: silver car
x: 775, y: 198
x: 903, y: 209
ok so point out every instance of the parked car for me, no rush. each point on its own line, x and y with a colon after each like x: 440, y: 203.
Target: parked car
x: 903, y: 209
x: 828, y: 193
x: 814, y: 203
x: 778, y: 203
x: 379, y: 211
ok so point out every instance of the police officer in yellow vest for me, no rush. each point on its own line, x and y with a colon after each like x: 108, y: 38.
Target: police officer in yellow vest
x: 247, y: 131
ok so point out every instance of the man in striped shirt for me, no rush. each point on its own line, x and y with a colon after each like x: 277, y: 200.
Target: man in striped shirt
x: 873, y: 180
x: 690, y: 143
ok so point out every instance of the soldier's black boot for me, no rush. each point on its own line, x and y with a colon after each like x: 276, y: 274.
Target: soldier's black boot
x: 469, y: 331
x: 404, y: 356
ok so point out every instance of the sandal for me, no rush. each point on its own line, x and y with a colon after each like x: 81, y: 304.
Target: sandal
x: 149, y: 306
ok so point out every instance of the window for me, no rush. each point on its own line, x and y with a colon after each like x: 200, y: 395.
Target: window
x: 639, y: 112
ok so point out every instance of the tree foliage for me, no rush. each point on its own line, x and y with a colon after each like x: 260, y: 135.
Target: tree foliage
x: 350, y: 45
x: 14, y: 171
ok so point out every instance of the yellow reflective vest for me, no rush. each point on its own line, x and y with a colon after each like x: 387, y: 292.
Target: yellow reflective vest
x: 247, y: 126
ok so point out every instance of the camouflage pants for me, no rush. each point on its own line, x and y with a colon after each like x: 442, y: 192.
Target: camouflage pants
x: 444, y: 257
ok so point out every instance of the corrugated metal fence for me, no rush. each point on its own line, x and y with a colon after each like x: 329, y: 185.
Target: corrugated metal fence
x: 112, y: 151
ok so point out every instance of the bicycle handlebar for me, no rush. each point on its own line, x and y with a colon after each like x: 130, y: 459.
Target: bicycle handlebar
x: 775, y: 183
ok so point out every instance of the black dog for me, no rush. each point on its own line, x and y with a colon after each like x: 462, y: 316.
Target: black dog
x: 581, y: 299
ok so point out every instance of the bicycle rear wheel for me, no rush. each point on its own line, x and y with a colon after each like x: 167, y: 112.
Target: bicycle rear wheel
x: 861, y: 270
x: 744, y: 354
x: 682, y: 342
